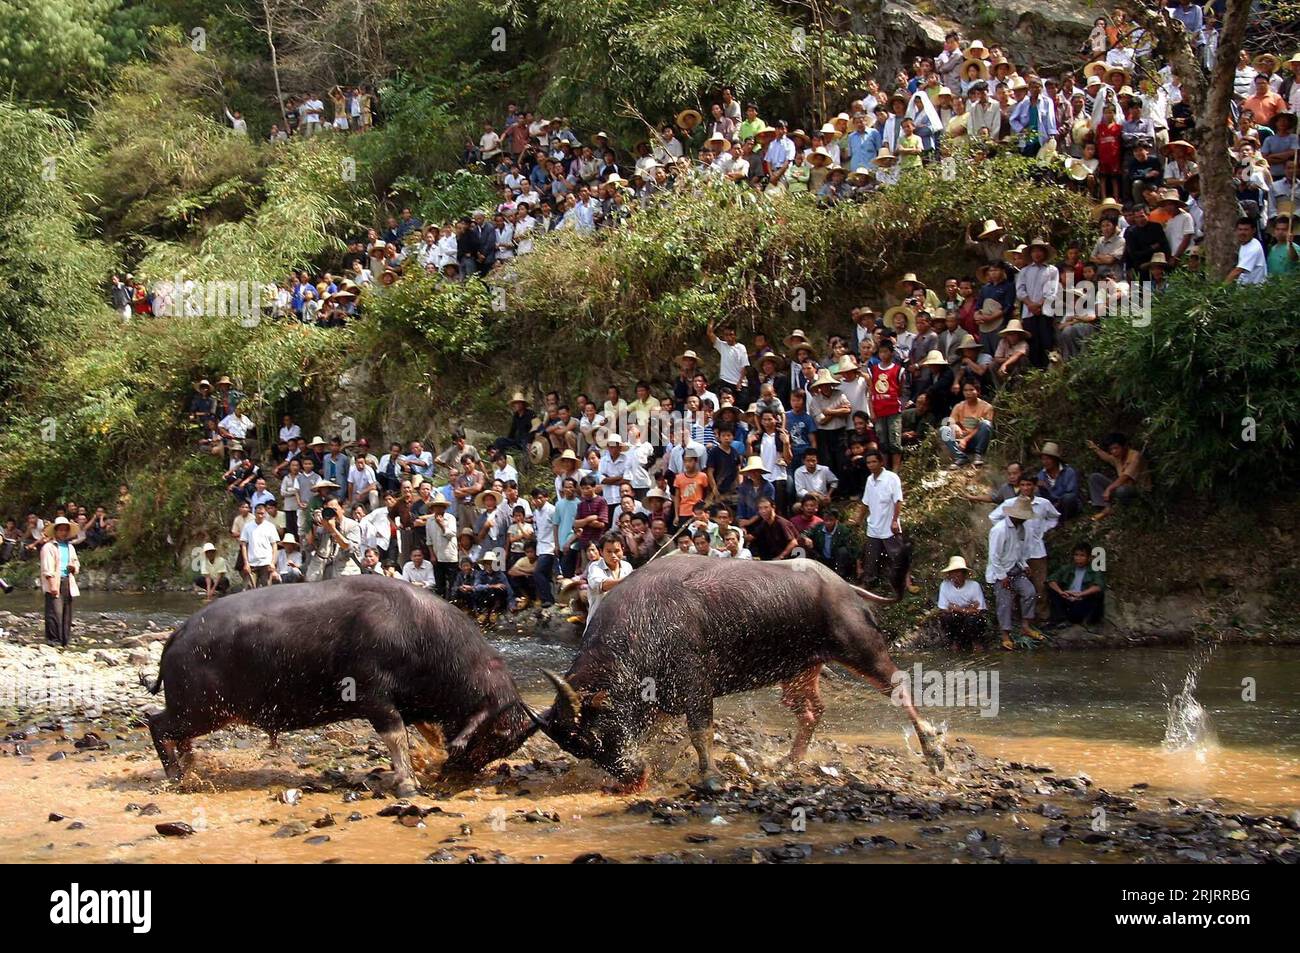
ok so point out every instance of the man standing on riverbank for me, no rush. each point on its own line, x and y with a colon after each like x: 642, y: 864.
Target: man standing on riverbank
x: 59, y: 567
x: 1007, y: 571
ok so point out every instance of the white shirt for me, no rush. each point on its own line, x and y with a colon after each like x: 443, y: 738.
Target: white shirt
x: 742, y: 553
x: 1006, y: 550
x: 598, y: 573
x: 1250, y: 259
x: 260, y: 540
x: 236, y: 425
x: 290, y: 487
x: 734, y: 360
x: 820, y: 481
x: 361, y: 478
x: 421, y: 576
x: 442, y: 540
x: 544, y: 529
x: 609, y: 467
x: 292, y: 432
x: 505, y: 474
x: 972, y: 593
x: 1046, y: 516
x: 880, y: 496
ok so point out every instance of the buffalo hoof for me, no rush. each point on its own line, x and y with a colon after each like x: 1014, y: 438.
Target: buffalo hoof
x: 711, y: 784
x: 635, y: 785
x: 406, y: 788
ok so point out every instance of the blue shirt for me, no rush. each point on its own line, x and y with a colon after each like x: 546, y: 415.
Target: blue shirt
x: 748, y: 495
x: 65, y: 554
x: 863, y: 148
x: 566, y: 511
x: 800, y: 427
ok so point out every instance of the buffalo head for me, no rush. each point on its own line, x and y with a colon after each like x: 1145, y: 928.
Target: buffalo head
x: 495, y: 737
x: 590, y: 726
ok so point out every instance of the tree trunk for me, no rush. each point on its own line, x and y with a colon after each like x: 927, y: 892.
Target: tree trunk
x: 275, y: 64
x: 1218, y: 196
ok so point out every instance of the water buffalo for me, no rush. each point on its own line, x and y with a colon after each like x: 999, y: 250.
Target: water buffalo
x: 682, y: 631
x: 290, y: 657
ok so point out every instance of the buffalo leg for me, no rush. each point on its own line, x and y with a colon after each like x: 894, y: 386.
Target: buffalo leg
x: 165, y: 745
x: 802, y: 695
x: 699, y: 722
x: 866, y: 654
x: 393, y: 732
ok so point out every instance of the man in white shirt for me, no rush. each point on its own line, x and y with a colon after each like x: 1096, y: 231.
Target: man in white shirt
x: 734, y: 359
x: 363, y: 485
x: 418, y: 572
x: 961, y: 604
x: 1046, y: 516
x: 441, y: 538
x: 614, y: 464
x: 545, y: 528
x: 883, y: 498
x: 259, y: 543
x: 605, y: 573
x: 1252, y: 263
x: 1007, y: 571
x: 814, y: 479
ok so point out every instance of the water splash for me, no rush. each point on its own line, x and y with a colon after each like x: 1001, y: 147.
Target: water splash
x: 1187, y: 727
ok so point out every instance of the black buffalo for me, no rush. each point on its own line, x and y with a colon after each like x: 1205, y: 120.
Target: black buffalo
x: 291, y: 657
x: 684, y: 630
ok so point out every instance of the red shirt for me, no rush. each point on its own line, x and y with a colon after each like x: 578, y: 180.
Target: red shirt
x: 886, y: 386
x: 1109, y: 148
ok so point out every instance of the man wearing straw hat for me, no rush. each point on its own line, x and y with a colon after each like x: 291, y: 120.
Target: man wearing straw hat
x: 963, y: 613
x: 59, y: 568
x: 1007, y: 571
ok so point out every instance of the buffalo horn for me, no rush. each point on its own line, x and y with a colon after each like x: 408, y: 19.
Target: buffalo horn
x: 872, y: 597
x: 567, y: 692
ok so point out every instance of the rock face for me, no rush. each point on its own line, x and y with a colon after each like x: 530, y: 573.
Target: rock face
x: 1044, y: 33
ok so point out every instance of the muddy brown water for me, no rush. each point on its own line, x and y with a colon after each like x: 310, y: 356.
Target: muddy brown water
x: 1104, y: 713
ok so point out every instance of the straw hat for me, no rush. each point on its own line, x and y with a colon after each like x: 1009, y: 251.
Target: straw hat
x: 1181, y: 144
x: 289, y: 540
x: 977, y: 50
x: 797, y: 339
x: 688, y: 355
x: 829, y: 131
x: 884, y: 157
x: 615, y: 179
x: 989, y: 314
x: 967, y: 342
x: 848, y: 363
x: 1106, y: 205
x: 934, y: 359
x: 325, y: 485
x: 841, y: 122
x: 755, y: 465
x: 688, y: 119
x: 860, y: 175
x: 51, y: 528
x: 992, y: 230
x: 1096, y: 68
x: 909, y: 278
x: 539, y: 450
x: 824, y: 378
x: 209, y: 548
x: 1021, y: 509
x: 1051, y: 449
x: 820, y: 157
x: 906, y: 310
x: 439, y: 500
x: 1157, y: 259
x: 1043, y: 243
x: 1076, y: 169
x: 569, y: 455
x: 980, y: 63
x: 517, y: 398
x: 478, y: 500
x: 718, y: 137
x: 954, y: 565
x: 1128, y: 77
x: 1010, y: 254
x: 224, y: 379
x: 1014, y: 326
x: 657, y: 494
x: 1266, y: 63
x: 957, y: 125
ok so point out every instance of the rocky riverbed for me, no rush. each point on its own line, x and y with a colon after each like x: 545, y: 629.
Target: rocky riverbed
x: 79, y: 781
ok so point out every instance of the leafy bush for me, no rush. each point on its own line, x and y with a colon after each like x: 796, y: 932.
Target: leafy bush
x: 1214, y: 378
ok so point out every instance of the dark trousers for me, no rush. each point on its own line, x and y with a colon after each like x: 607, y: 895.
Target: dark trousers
x: 841, y: 561
x: 542, y: 579
x: 223, y: 584
x: 964, y: 629
x: 1089, y: 610
x: 58, y: 614
x: 877, y: 551
x: 443, y: 575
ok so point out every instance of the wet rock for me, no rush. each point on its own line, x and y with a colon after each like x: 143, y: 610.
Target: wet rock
x: 317, y: 839
x: 174, y: 829
x: 55, y: 817
x: 291, y: 829
x: 593, y: 857
x: 290, y: 796
x: 150, y: 809
x: 326, y: 821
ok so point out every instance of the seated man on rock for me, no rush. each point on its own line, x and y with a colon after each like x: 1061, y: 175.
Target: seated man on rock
x: 1077, y: 591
